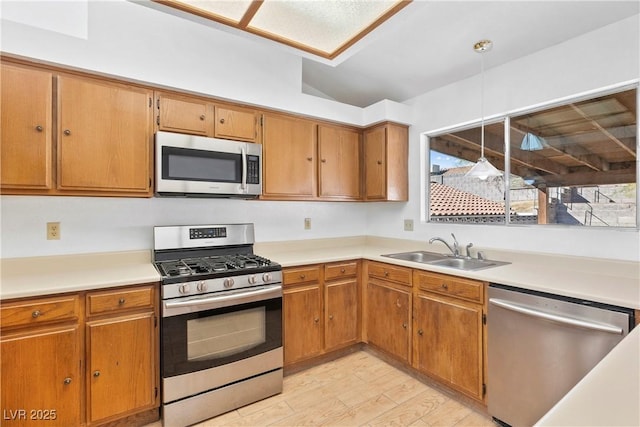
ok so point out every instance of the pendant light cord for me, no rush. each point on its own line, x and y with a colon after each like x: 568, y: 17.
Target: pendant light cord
x: 481, y: 104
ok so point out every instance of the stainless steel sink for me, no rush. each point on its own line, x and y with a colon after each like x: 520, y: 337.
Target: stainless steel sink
x: 418, y: 256
x: 441, y: 260
x: 468, y: 263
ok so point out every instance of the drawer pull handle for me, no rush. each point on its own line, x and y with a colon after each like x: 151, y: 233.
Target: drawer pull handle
x: 342, y: 270
x: 445, y: 286
x: 96, y: 374
x: 36, y: 314
x: 121, y: 301
x: 303, y: 276
x: 386, y: 273
x: 67, y: 380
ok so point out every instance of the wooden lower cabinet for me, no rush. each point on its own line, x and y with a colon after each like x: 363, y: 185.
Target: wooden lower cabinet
x: 120, y: 366
x: 54, y: 373
x: 41, y: 377
x: 321, y: 309
x: 389, y: 318
x: 448, y: 332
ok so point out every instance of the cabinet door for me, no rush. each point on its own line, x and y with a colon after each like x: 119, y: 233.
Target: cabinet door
x: 448, y: 341
x: 302, y: 307
x: 26, y: 150
x: 120, y: 366
x: 388, y: 318
x: 375, y: 158
x: 184, y: 115
x: 289, y: 146
x: 41, y: 378
x: 341, y: 321
x: 236, y: 123
x: 339, y: 154
x: 104, y: 136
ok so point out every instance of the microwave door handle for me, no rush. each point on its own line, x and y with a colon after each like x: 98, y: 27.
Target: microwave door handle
x: 243, y: 185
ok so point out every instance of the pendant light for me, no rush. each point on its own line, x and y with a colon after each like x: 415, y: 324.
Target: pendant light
x: 482, y: 169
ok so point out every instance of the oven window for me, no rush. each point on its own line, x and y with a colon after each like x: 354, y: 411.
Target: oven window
x: 199, y: 165
x: 225, y: 334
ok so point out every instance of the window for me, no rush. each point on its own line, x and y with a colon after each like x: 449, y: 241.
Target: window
x: 570, y: 164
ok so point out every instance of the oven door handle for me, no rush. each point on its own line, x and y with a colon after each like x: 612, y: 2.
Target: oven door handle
x: 226, y: 300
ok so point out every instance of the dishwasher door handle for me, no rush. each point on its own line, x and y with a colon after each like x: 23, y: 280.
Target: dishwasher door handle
x: 554, y: 317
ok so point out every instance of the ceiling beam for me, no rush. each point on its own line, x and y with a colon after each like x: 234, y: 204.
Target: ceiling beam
x: 250, y: 13
x: 604, y: 131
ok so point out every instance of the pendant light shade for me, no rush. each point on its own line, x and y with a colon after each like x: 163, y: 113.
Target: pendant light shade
x: 483, y: 169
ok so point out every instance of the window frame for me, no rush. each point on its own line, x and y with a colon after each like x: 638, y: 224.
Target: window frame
x: 425, y: 153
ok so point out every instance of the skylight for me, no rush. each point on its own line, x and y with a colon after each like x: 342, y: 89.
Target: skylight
x: 322, y: 27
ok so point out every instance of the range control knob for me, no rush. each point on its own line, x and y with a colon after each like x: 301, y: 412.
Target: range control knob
x: 266, y: 277
x: 184, y: 289
x: 252, y: 279
x: 228, y: 282
x: 202, y: 286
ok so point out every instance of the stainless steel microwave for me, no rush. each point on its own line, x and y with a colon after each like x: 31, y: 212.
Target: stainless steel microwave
x: 198, y: 166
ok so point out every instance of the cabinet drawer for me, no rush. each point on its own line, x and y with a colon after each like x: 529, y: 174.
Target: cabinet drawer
x: 338, y: 270
x: 119, y: 300
x: 471, y: 290
x: 293, y: 276
x: 39, y: 311
x: 390, y: 272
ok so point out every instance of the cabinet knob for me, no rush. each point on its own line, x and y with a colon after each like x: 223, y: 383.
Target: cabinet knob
x: 445, y: 286
x: 36, y: 314
x: 39, y: 128
x: 342, y: 270
x: 96, y: 374
x: 404, y: 325
x: 379, y: 162
x: 324, y: 160
x: 309, y: 158
x: 386, y: 274
x: 302, y: 276
x: 221, y: 120
x: 67, y: 132
x: 331, y: 317
x: 67, y: 380
x: 202, y: 117
x: 316, y: 320
x: 420, y: 332
x: 121, y: 301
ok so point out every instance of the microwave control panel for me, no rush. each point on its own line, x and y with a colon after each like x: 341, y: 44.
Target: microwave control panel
x: 253, y: 170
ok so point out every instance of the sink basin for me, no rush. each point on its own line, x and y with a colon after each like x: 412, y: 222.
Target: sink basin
x: 418, y: 256
x: 441, y: 260
x: 468, y: 264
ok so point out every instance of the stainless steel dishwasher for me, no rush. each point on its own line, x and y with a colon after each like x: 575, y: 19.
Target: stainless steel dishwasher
x: 540, y: 345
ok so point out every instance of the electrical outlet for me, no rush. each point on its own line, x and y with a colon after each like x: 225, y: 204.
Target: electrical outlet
x: 408, y: 225
x: 307, y: 223
x: 53, y: 231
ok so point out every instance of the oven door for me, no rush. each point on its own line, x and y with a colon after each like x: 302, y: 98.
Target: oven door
x: 205, y: 332
x: 194, y: 165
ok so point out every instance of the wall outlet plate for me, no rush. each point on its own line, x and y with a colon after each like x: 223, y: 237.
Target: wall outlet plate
x: 53, y: 231
x: 408, y: 225
x: 307, y: 223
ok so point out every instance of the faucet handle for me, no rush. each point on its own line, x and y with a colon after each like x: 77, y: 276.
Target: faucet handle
x: 469, y: 246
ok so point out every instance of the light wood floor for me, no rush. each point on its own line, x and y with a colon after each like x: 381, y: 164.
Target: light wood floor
x: 356, y: 390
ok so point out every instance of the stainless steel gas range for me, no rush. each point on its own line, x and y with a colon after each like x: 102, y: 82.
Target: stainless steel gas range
x: 221, y: 327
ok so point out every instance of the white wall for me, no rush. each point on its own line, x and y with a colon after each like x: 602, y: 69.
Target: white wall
x: 126, y: 39
x: 599, y: 59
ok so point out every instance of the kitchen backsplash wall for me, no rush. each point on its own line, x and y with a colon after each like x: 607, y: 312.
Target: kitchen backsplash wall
x: 105, y: 224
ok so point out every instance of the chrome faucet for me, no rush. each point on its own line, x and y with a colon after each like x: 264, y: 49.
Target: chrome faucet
x: 454, y: 250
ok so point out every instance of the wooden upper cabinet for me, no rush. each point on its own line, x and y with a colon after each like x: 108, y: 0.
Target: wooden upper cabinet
x: 236, y: 123
x: 386, y: 162
x: 184, y: 114
x: 104, y: 136
x: 339, y: 167
x: 26, y: 132
x: 289, y: 157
